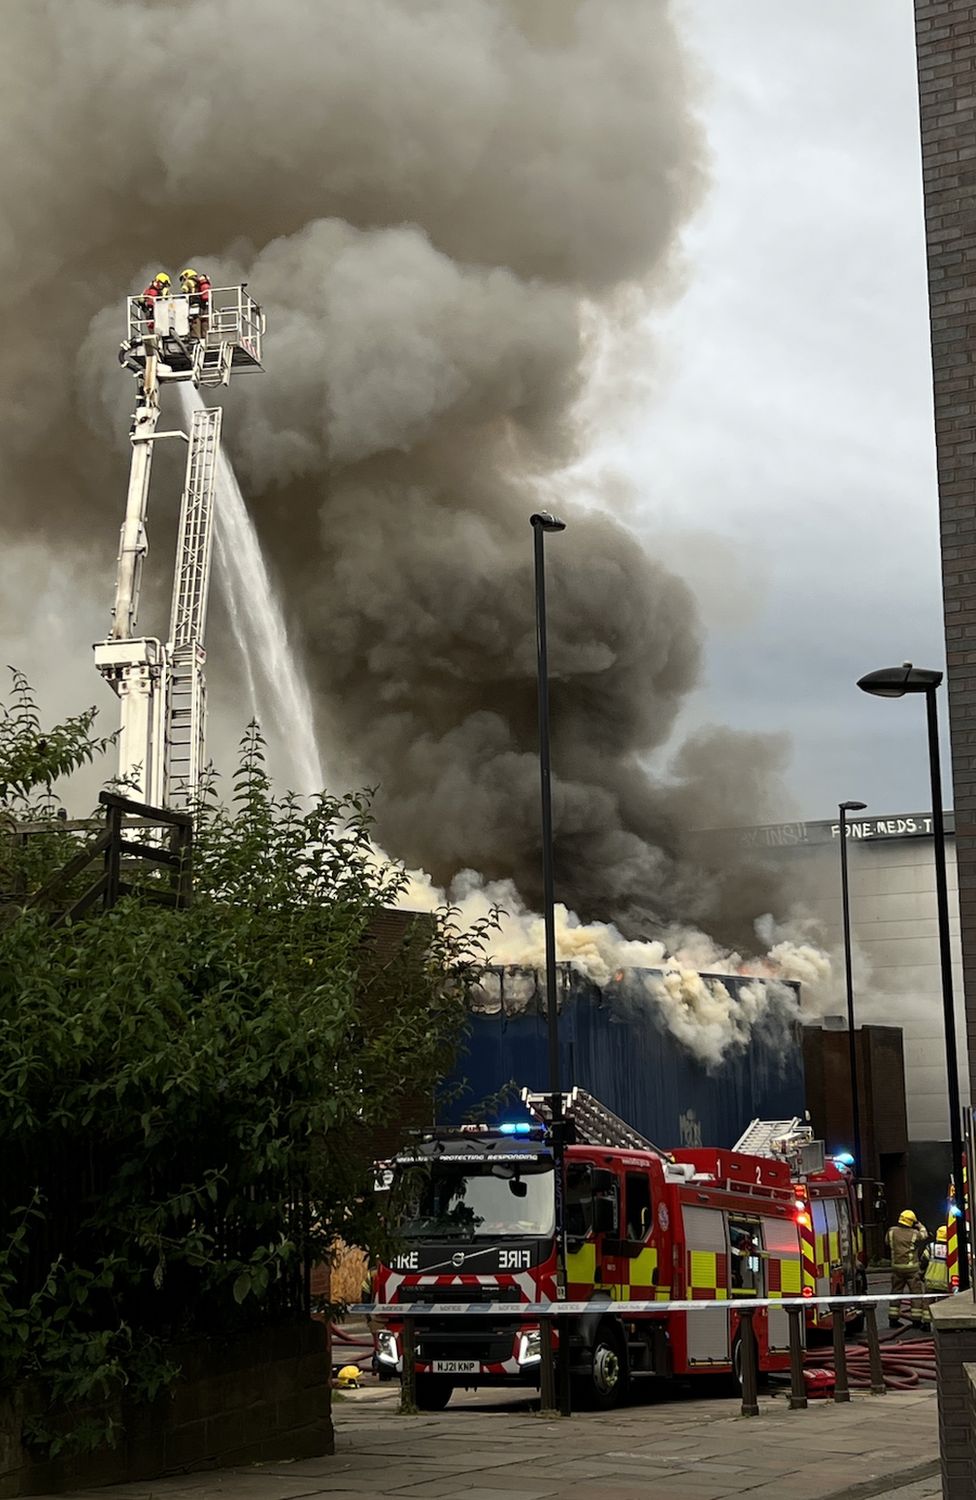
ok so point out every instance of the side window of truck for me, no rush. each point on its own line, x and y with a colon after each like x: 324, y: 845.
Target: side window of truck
x: 579, y: 1201
x: 637, y: 1217
x: 745, y: 1249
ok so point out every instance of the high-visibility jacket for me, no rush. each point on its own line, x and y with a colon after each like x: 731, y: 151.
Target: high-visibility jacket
x: 937, y: 1270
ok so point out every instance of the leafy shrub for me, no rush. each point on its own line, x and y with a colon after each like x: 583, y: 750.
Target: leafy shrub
x: 188, y: 1097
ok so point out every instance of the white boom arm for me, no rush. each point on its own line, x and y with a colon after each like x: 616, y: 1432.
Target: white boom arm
x: 161, y: 688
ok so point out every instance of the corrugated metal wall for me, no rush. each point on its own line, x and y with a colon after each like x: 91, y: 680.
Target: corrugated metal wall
x: 619, y: 1049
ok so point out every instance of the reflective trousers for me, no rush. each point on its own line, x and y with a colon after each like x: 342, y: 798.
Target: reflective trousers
x: 905, y: 1280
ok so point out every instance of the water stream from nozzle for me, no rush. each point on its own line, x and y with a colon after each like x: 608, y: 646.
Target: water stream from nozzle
x: 277, y: 690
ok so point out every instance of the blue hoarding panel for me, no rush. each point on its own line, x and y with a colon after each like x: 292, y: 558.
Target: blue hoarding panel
x: 617, y: 1046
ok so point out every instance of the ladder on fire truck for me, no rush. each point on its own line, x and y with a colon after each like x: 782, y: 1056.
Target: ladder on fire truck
x: 594, y: 1123
x: 187, y: 706
x: 160, y: 685
x: 786, y: 1140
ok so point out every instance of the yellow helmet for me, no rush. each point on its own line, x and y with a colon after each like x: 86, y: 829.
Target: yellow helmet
x: 185, y: 275
x: 942, y: 1234
x: 907, y: 1218
x: 162, y: 278
x: 348, y: 1376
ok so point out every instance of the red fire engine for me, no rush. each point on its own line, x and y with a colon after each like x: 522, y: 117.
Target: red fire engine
x: 641, y: 1225
x: 827, y: 1213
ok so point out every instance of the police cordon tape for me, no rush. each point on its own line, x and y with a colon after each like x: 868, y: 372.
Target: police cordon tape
x: 577, y: 1309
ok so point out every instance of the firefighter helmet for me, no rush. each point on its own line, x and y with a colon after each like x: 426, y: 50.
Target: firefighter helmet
x: 348, y: 1377
x: 942, y: 1234
x: 185, y: 275
x: 160, y: 279
x: 907, y: 1218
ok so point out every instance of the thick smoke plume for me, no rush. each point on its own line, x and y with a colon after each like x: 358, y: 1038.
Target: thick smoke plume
x: 437, y: 201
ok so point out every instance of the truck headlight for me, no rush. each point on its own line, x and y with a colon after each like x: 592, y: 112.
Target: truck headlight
x: 387, y: 1348
x: 530, y: 1347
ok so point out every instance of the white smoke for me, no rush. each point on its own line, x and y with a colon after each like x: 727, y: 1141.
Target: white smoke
x: 689, y: 991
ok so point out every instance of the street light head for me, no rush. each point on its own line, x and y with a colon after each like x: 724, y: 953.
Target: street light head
x: 895, y: 682
x: 852, y: 806
x: 547, y: 522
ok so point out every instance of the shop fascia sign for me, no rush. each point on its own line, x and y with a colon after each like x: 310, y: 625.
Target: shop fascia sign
x: 796, y: 835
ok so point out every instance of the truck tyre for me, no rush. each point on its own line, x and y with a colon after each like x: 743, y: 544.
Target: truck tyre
x: 604, y: 1385
x: 762, y: 1380
x: 433, y: 1392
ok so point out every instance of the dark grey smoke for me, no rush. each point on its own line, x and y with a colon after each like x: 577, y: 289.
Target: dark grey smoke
x: 427, y: 196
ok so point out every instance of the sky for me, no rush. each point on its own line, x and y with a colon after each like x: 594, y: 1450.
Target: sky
x: 774, y: 420
x: 789, y: 417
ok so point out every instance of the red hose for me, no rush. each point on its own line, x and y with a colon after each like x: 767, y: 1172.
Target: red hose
x: 362, y: 1361
x: 903, y: 1365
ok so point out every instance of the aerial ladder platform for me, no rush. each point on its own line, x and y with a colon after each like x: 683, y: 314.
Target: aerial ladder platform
x: 161, y: 684
x: 592, y: 1123
x: 790, y: 1140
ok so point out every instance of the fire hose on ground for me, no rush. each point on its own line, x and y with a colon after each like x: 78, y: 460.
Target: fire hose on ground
x: 904, y: 1365
x: 353, y: 1342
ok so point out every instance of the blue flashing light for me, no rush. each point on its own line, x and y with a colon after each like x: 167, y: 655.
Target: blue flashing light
x: 515, y: 1127
x: 955, y: 1210
x: 844, y: 1157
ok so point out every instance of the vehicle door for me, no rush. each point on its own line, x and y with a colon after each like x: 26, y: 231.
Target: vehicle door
x: 845, y: 1241
x: 592, y: 1230
x: 634, y: 1254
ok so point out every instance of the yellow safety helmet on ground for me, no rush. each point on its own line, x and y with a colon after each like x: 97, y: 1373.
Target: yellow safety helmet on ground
x: 942, y: 1234
x: 161, y: 278
x: 907, y: 1218
x: 348, y: 1376
x: 185, y: 275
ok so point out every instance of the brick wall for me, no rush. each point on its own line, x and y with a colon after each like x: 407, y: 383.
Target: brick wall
x: 258, y: 1397
x: 946, y: 44
x: 954, y: 1327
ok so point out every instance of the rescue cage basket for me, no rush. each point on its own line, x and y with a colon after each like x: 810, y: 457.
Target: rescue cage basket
x: 231, y: 318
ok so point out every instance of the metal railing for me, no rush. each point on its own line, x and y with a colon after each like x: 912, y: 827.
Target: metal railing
x: 230, y: 315
x: 545, y: 1313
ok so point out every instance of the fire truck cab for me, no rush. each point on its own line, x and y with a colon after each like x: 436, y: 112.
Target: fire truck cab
x: 642, y: 1226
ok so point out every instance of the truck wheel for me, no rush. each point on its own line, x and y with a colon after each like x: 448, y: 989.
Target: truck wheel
x: 433, y: 1392
x: 762, y: 1381
x: 605, y: 1384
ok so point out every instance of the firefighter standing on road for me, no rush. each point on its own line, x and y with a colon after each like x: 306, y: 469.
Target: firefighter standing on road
x: 906, y: 1240
x: 937, y: 1270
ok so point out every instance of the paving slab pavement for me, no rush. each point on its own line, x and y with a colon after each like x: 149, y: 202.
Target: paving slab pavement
x: 676, y: 1448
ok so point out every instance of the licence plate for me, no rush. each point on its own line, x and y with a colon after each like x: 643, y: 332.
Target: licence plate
x: 455, y: 1366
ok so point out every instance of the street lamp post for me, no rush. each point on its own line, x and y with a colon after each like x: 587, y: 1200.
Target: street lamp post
x: 541, y: 524
x: 844, y: 808
x: 895, y: 682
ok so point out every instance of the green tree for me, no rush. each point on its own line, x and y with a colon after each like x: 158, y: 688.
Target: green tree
x: 188, y: 1098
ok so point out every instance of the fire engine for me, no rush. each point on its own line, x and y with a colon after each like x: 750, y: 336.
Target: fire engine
x: 827, y: 1213
x: 640, y: 1224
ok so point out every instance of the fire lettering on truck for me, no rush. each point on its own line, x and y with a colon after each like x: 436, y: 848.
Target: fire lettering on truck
x: 408, y: 1262
x: 514, y: 1260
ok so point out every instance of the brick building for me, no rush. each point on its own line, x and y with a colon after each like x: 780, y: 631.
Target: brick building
x: 946, y: 45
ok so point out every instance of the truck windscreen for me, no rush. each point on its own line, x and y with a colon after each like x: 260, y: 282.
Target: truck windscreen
x: 456, y: 1200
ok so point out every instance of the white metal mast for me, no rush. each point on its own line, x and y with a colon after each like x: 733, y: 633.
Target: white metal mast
x: 161, y: 687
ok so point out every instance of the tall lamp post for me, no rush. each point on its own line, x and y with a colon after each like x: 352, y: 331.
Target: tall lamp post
x: 844, y: 808
x: 541, y: 524
x: 895, y: 682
